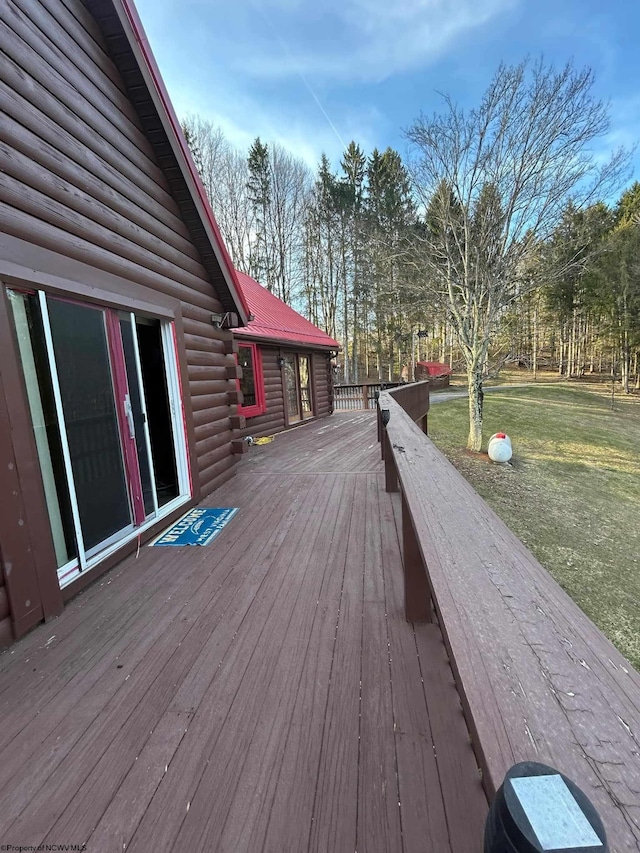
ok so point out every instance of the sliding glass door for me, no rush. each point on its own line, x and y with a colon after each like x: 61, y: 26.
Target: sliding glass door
x: 105, y: 407
x: 84, y: 374
x: 291, y: 385
x: 297, y: 376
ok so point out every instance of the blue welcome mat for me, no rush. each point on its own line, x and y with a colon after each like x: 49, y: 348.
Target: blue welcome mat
x: 197, y: 527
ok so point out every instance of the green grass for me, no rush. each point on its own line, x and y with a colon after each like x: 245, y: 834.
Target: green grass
x: 572, y: 494
x: 520, y: 375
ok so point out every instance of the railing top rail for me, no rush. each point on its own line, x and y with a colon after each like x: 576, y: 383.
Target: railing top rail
x: 368, y: 384
x: 413, y: 398
x: 537, y: 679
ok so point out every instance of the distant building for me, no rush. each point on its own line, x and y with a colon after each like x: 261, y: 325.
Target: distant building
x: 433, y: 370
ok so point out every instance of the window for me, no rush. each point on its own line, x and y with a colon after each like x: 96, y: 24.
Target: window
x: 251, y: 384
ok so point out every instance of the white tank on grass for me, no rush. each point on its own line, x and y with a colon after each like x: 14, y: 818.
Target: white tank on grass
x: 500, y: 447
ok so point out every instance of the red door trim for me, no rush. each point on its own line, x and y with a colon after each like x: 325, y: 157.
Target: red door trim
x: 124, y: 415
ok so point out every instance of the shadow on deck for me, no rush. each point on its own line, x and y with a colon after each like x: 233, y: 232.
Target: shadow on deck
x: 263, y: 693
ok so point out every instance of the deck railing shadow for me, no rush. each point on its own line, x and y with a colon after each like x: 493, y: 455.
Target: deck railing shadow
x: 538, y: 681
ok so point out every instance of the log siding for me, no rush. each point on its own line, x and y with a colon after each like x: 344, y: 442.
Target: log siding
x: 79, y: 176
x: 274, y: 418
x: 94, y: 203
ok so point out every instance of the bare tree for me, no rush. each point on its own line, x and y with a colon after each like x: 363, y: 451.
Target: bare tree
x: 494, y: 182
x: 233, y: 208
x: 224, y: 173
x: 291, y: 181
x: 208, y: 146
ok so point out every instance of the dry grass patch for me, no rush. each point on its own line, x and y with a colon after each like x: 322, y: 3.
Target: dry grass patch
x: 572, y: 494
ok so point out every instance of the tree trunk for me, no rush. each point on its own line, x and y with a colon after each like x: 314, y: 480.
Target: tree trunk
x: 354, y: 353
x: 534, y: 350
x: 345, y: 316
x: 613, y: 386
x: 474, y: 379
x: 626, y: 349
x: 412, y: 370
x: 625, y: 363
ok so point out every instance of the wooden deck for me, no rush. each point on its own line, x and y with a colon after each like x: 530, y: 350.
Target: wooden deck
x: 263, y: 693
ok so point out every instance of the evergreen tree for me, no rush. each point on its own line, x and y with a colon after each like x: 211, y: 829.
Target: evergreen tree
x: 259, y: 189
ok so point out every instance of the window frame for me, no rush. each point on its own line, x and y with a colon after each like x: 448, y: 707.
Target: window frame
x: 259, y: 407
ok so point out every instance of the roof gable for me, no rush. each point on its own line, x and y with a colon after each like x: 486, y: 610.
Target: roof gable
x: 130, y: 51
x: 276, y: 321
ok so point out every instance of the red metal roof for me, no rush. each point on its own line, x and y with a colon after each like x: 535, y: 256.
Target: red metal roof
x: 276, y: 321
x: 436, y: 368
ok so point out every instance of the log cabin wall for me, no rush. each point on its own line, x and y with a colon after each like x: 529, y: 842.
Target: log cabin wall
x: 93, y: 205
x: 322, y: 384
x: 274, y: 419
x: 79, y: 177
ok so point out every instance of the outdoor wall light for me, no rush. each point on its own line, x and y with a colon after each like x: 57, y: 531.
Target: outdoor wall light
x: 385, y: 414
x: 225, y: 321
x: 538, y: 808
x: 281, y: 361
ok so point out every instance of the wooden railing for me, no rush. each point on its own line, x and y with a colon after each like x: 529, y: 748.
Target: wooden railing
x: 358, y: 396
x: 537, y: 680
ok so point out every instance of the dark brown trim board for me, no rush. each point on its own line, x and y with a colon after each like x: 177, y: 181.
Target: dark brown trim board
x: 32, y: 587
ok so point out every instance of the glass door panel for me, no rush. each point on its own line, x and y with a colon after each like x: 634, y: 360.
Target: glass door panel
x: 305, y: 385
x: 291, y: 386
x: 138, y: 413
x: 156, y: 395
x: 87, y: 394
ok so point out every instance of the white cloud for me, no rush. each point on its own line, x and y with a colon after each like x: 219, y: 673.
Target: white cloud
x: 242, y: 117
x: 363, y: 40
x: 287, y: 70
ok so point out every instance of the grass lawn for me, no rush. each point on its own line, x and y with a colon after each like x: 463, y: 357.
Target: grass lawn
x: 572, y: 494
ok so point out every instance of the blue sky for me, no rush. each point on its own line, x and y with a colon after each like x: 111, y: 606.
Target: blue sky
x: 310, y: 74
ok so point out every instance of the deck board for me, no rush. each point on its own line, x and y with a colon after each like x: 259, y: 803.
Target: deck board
x: 261, y: 693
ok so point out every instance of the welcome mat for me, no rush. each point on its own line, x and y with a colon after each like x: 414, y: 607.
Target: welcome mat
x: 197, y: 527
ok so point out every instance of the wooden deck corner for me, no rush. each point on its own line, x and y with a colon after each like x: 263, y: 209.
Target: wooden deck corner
x: 263, y: 693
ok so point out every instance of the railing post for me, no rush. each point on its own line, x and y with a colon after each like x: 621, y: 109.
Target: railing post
x: 417, y: 596
x: 390, y: 473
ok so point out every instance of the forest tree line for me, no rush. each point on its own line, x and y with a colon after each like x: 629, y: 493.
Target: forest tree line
x: 495, y: 242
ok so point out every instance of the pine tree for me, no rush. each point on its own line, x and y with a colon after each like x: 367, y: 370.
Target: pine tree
x: 259, y: 189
